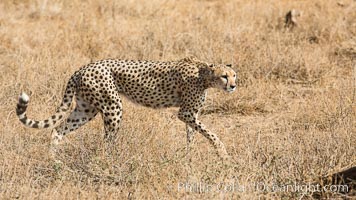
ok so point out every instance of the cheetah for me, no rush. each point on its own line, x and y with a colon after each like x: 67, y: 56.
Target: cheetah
x: 96, y: 88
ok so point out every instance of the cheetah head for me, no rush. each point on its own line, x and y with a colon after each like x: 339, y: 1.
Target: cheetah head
x: 222, y: 77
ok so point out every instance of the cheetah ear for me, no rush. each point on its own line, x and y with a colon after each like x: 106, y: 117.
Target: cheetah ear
x: 210, y: 66
x: 190, y: 59
x: 206, y: 71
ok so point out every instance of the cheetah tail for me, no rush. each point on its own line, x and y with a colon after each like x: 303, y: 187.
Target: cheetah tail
x: 54, y: 120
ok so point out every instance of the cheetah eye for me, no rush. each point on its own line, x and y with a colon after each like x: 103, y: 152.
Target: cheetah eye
x: 224, y: 76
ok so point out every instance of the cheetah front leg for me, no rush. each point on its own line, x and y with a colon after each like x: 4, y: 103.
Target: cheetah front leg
x: 190, y: 136
x: 190, y: 118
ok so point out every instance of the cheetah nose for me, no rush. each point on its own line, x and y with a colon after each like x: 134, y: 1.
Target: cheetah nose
x: 232, y: 86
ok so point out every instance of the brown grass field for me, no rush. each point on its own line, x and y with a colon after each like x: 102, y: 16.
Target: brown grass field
x: 290, y: 122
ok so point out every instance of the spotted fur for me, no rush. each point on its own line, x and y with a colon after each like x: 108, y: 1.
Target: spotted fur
x: 97, y: 87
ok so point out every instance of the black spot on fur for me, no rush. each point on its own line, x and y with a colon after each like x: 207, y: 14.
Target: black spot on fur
x: 35, y: 125
x: 20, y: 109
x: 23, y: 120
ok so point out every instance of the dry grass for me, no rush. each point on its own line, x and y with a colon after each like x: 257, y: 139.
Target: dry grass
x: 292, y: 119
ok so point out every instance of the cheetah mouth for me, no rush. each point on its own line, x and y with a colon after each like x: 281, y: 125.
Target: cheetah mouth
x: 229, y: 90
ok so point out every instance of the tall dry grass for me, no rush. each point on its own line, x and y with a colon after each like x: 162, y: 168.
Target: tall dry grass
x: 291, y: 120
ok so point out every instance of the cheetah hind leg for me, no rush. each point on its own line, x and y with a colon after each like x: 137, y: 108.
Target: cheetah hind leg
x: 112, y: 119
x: 112, y: 116
x: 82, y: 114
